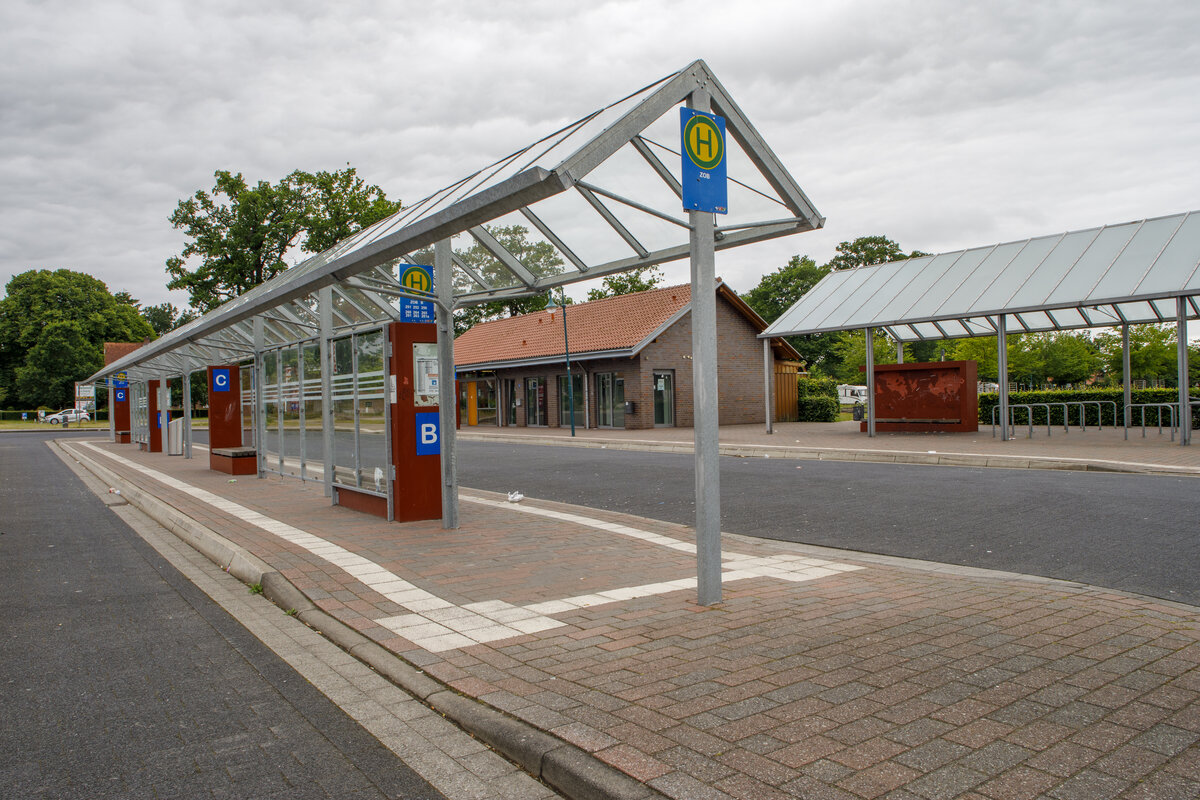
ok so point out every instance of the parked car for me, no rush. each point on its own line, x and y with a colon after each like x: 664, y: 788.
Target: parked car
x: 68, y: 415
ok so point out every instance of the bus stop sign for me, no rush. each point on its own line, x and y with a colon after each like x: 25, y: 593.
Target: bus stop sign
x: 705, y: 187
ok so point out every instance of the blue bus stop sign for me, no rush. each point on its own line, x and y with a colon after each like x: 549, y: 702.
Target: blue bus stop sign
x: 428, y: 433
x: 705, y: 184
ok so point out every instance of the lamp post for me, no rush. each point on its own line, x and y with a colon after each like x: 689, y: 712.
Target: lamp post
x: 550, y: 306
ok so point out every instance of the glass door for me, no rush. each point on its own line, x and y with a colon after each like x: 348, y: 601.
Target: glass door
x: 610, y: 400
x: 664, y: 399
x: 508, y: 396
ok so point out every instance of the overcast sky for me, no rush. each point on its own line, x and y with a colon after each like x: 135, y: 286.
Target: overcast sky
x: 940, y: 124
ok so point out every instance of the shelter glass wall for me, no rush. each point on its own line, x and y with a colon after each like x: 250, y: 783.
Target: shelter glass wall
x: 140, y: 416
x: 272, y: 451
x: 312, y: 443
x: 247, y: 383
x: 360, y: 412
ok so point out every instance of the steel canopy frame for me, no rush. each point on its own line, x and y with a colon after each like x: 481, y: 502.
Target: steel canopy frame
x: 359, y: 266
x: 1145, y: 271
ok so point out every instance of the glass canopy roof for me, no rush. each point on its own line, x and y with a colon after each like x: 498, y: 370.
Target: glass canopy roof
x: 1111, y: 275
x: 599, y: 196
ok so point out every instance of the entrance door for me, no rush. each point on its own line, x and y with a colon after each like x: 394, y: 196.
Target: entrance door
x: 610, y: 400
x: 664, y: 399
x: 472, y: 404
x: 508, y: 397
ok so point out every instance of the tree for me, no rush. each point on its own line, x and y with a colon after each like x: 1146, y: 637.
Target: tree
x: 539, y: 257
x: 851, y: 353
x: 165, y: 317
x: 38, y: 299
x: 61, y: 356
x: 243, y: 239
x: 1152, y: 352
x: 1069, y: 358
x: 780, y: 290
x: 635, y: 280
x: 868, y: 250
x: 338, y: 205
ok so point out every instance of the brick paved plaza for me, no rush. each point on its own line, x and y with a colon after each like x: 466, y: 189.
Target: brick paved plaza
x: 822, y: 674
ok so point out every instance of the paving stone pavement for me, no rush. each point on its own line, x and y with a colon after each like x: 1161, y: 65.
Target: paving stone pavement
x: 822, y: 674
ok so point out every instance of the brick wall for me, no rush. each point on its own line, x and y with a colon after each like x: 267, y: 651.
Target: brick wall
x: 739, y: 376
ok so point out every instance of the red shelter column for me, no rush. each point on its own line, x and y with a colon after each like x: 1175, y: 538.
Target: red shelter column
x: 120, y: 412
x: 225, y: 451
x: 416, y: 439
x: 156, y: 433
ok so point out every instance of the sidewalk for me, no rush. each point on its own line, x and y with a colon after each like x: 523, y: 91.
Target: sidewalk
x: 823, y: 674
x: 1093, y: 449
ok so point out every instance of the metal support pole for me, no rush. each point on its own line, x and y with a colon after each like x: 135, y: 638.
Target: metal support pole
x: 112, y: 416
x: 443, y: 283
x: 260, y: 406
x: 1002, y: 370
x: 768, y: 385
x: 164, y: 411
x: 704, y: 394
x: 325, y: 353
x: 899, y: 352
x: 870, y: 382
x: 1185, y: 405
x: 1126, y: 379
x: 187, y: 408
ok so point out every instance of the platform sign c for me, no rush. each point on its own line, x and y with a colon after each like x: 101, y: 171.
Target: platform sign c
x: 705, y: 183
x: 119, y: 395
x: 220, y: 379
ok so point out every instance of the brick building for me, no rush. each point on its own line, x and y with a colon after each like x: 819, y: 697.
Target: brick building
x: 630, y: 361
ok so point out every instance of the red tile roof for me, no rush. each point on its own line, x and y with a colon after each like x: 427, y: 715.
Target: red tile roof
x: 115, y: 350
x: 614, y: 323
x: 619, y: 323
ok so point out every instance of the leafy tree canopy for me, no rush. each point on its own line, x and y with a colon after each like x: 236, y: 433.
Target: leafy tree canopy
x: 1152, y: 352
x: 539, y: 256
x: 241, y: 234
x: 39, y: 299
x: 631, y: 282
x: 867, y: 250
x: 165, y: 317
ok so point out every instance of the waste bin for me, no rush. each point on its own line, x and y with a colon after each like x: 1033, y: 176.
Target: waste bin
x: 858, y: 412
x: 175, y: 437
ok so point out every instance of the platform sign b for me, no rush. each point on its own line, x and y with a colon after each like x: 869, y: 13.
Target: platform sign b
x: 705, y: 180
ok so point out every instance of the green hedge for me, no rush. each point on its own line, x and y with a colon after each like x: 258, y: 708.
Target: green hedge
x: 990, y: 400
x: 817, y: 387
x: 819, y: 409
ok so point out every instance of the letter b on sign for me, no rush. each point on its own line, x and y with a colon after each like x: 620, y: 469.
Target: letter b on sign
x: 428, y: 434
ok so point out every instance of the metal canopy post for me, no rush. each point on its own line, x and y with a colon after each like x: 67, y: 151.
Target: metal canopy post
x: 899, y: 352
x: 1002, y: 370
x: 443, y: 283
x: 260, y: 405
x: 870, y: 382
x: 324, y: 352
x: 1185, y: 405
x: 704, y: 393
x: 187, y: 407
x: 768, y: 395
x: 1126, y: 379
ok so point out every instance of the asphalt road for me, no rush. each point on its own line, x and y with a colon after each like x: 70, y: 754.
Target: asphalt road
x: 1139, y: 533
x: 118, y: 678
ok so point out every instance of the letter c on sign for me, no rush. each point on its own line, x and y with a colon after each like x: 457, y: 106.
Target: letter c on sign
x: 220, y: 378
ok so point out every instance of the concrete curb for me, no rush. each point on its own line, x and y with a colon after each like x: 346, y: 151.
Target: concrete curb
x: 575, y: 773
x: 836, y: 454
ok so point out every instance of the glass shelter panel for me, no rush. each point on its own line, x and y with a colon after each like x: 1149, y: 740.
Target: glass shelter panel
x: 312, y: 439
x: 247, y: 384
x: 342, y: 383
x: 372, y: 412
x: 289, y: 405
x: 270, y: 406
